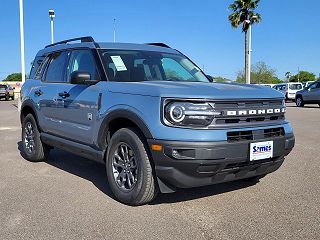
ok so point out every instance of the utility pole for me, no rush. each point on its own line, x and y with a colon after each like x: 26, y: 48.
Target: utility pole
x: 23, y: 70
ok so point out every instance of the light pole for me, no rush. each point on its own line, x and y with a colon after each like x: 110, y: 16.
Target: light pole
x: 23, y: 70
x: 52, y: 16
x: 250, y: 47
x: 249, y: 53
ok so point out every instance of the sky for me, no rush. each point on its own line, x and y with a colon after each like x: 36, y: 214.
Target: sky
x: 287, y: 39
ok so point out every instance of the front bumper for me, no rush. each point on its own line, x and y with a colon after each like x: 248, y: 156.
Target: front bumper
x: 193, y: 164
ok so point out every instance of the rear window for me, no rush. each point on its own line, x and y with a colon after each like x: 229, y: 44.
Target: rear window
x: 295, y: 86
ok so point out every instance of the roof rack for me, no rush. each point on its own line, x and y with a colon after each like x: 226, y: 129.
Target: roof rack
x: 82, y: 39
x: 159, y: 45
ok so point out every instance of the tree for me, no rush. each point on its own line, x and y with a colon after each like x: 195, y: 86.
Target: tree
x: 261, y: 73
x: 14, y: 77
x: 303, y: 76
x: 244, y: 13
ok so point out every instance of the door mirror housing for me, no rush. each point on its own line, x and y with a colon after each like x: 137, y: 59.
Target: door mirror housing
x: 81, y: 77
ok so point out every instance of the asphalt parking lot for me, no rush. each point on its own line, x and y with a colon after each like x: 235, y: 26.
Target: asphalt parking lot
x: 68, y: 197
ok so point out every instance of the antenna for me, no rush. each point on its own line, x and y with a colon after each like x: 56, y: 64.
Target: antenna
x: 114, y: 30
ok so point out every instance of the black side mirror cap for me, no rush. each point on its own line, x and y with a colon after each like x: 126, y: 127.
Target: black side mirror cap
x: 81, y: 77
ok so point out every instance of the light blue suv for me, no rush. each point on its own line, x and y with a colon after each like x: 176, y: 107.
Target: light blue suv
x: 151, y: 116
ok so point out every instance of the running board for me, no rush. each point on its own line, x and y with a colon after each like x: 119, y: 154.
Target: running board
x: 73, y: 147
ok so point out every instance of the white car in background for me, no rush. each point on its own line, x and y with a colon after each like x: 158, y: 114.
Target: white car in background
x: 289, y: 89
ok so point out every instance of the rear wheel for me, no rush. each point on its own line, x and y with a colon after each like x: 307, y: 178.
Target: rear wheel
x: 34, y: 149
x: 12, y: 97
x: 130, y: 174
x: 299, y: 101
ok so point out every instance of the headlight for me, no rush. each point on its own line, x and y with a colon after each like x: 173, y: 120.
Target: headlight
x: 191, y: 114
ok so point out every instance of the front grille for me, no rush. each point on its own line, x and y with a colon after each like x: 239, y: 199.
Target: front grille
x: 237, y: 136
x: 273, y: 132
x: 248, y: 113
x: 240, y: 136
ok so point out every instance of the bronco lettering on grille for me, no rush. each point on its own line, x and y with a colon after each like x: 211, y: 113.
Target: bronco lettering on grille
x: 255, y: 112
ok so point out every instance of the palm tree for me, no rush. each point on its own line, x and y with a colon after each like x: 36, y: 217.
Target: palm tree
x: 288, y: 76
x: 244, y: 14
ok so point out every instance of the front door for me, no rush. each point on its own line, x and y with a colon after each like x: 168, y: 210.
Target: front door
x: 313, y: 94
x: 78, y: 104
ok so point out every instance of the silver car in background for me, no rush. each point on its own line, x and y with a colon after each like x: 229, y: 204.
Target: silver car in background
x: 309, y: 95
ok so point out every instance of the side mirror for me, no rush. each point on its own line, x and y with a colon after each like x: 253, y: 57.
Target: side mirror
x: 80, y: 77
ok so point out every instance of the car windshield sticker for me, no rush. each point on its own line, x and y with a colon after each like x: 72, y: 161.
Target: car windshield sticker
x: 117, y: 60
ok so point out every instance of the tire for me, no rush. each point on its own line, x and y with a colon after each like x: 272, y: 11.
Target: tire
x: 299, y: 101
x: 33, y: 148
x: 128, y: 143
x: 12, y: 97
x: 7, y: 97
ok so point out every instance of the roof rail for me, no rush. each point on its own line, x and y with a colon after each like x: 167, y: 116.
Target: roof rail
x: 82, y: 39
x: 159, y: 45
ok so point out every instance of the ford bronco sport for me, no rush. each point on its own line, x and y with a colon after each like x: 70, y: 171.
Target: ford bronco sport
x: 151, y: 116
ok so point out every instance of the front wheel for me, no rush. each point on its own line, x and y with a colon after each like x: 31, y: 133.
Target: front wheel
x: 34, y: 149
x: 129, y: 171
x: 299, y: 101
x: 7, y: 97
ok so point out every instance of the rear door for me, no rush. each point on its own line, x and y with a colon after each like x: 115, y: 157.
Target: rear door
x: 78, y: 104
x: 45, y: 94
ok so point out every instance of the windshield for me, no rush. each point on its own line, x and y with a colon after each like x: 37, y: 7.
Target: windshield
x: 3, y: 87
x: 135, y: 66
x: 295, y: 86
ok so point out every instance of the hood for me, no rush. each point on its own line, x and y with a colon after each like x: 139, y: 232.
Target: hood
x: 195, y: 90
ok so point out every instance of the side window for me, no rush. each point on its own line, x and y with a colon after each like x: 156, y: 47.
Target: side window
x: 315, y: 85
x: 174, y: 70
x: 35, y: 66
x: 56, y: 69
x: 41, y: 68
x: 83, y: 60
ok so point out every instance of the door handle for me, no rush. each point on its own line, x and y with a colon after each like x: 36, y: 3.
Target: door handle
x: 64, y: 94
x: 38, y: 92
